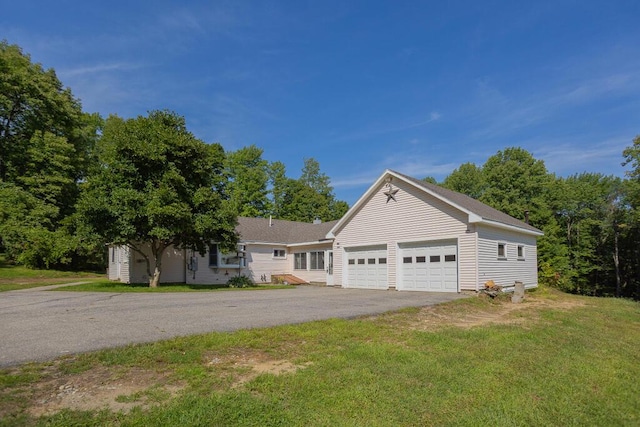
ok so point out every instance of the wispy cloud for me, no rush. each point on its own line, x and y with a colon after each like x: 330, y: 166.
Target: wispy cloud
x: 567, y: 158
x: 498, y: 111
x: 399, y: 126
x: 419, y: 166
x: 95, y: 69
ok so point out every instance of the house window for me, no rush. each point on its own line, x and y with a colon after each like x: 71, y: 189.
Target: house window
x: 371, y: 260
x: 382, y: 260
x: 434, y: 258
x: 421, y: 259
x: 352, y: 262
x: 213, y: 255
x: 407, y: 260
x: 502, y: 250
x: 300, y: 261
x: 316, y: 260
x: 361, y: 261
x: 520, y: 252
x: 219, y: 259
x: 449, y: 258
x: 279, y: 253
x: 113, y: 254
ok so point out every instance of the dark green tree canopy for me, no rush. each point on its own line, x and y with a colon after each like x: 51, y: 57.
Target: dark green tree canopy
x: 159, y: 186
x: 466, y: 179
x: 46, y: 144
x: 249, y: 179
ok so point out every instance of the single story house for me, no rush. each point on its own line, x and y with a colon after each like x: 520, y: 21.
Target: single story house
x: 402, y: 234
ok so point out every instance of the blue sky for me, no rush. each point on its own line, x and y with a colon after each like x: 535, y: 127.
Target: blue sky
x: 416, y: 86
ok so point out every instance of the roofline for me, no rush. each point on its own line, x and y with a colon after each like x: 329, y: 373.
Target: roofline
x: 316, y: 242
x: 472, y: 217
x: 497, y: 224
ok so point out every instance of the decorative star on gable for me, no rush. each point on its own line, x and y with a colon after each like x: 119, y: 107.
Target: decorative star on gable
x: 391, y: 193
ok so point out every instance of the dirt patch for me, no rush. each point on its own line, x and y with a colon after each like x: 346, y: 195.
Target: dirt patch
x: 101, y: 388
x: 497, y: 312
x: 249, y: 364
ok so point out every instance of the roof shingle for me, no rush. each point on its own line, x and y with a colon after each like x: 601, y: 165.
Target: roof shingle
x: 281, y: 231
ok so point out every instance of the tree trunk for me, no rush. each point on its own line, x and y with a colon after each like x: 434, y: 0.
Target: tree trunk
x: 157, y: 250
x: 616, y: 262
x: 155, y: 279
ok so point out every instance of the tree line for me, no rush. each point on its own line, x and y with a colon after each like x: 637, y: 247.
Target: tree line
x: 590, y: 220
x: 71, y: 182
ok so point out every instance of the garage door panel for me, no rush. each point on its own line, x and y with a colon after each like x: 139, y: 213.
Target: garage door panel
x: 367, y: 268
x: 429, y: 267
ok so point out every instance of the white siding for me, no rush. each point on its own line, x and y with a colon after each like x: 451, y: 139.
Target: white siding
x: 416, y: 216
x: 173, y: 268
x: 261, y: 264
x: 505, y: 272
x: 119, y: 263
x: 206, y: 275
x: 467, y: 261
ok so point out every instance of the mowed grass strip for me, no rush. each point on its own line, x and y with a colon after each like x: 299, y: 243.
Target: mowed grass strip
x: 555, y: 360
x: 111, y: 286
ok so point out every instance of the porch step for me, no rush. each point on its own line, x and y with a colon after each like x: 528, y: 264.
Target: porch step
x: 288, y: 279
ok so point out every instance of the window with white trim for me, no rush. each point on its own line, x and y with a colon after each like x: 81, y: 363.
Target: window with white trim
x: 520, y: 251
x: 279, y: 253
x: 502, y: 251
x: 316, y: 260
x: 300, y: 261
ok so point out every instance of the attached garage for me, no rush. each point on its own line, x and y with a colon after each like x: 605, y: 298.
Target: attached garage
x: 367, y: 267
x: 431, y: 266
x: 431, y: 238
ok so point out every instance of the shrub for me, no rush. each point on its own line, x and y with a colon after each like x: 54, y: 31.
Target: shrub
x: 240, y: 282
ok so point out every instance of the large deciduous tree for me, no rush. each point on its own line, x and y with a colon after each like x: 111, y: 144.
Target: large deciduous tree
x: 157, y: 186
x: 45, y: 151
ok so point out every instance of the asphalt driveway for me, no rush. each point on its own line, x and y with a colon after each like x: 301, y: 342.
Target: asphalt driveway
x: 38, y: 325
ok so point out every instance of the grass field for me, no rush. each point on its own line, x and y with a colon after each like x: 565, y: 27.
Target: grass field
x: 13, y: 277
x: 553, y: 360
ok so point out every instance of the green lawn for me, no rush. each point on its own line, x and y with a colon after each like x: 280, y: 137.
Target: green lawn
x: 553, y: 360
x: 14, y: 277
x: 110, y: 286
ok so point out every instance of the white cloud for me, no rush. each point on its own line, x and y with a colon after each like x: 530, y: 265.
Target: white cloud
x: 94, y: 69
x: 565, y: 158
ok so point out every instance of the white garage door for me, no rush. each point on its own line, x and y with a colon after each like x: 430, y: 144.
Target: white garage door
x: 429, y: 267
x: 367, y: 268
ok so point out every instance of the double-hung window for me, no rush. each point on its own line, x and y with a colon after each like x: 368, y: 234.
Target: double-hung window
x: 300, y: 261
x: 316, y: 260
x: 502, y: 251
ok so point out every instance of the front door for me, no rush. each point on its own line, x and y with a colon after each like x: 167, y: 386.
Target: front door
x: 329, y: 268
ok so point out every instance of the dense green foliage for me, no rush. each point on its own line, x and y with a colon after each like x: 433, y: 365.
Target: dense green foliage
x: 249, y: 178
x: 554, y: 360
x: 46, y: 144
x: 590, y: 220
x: 157, y: 186
x: 260, y: 189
